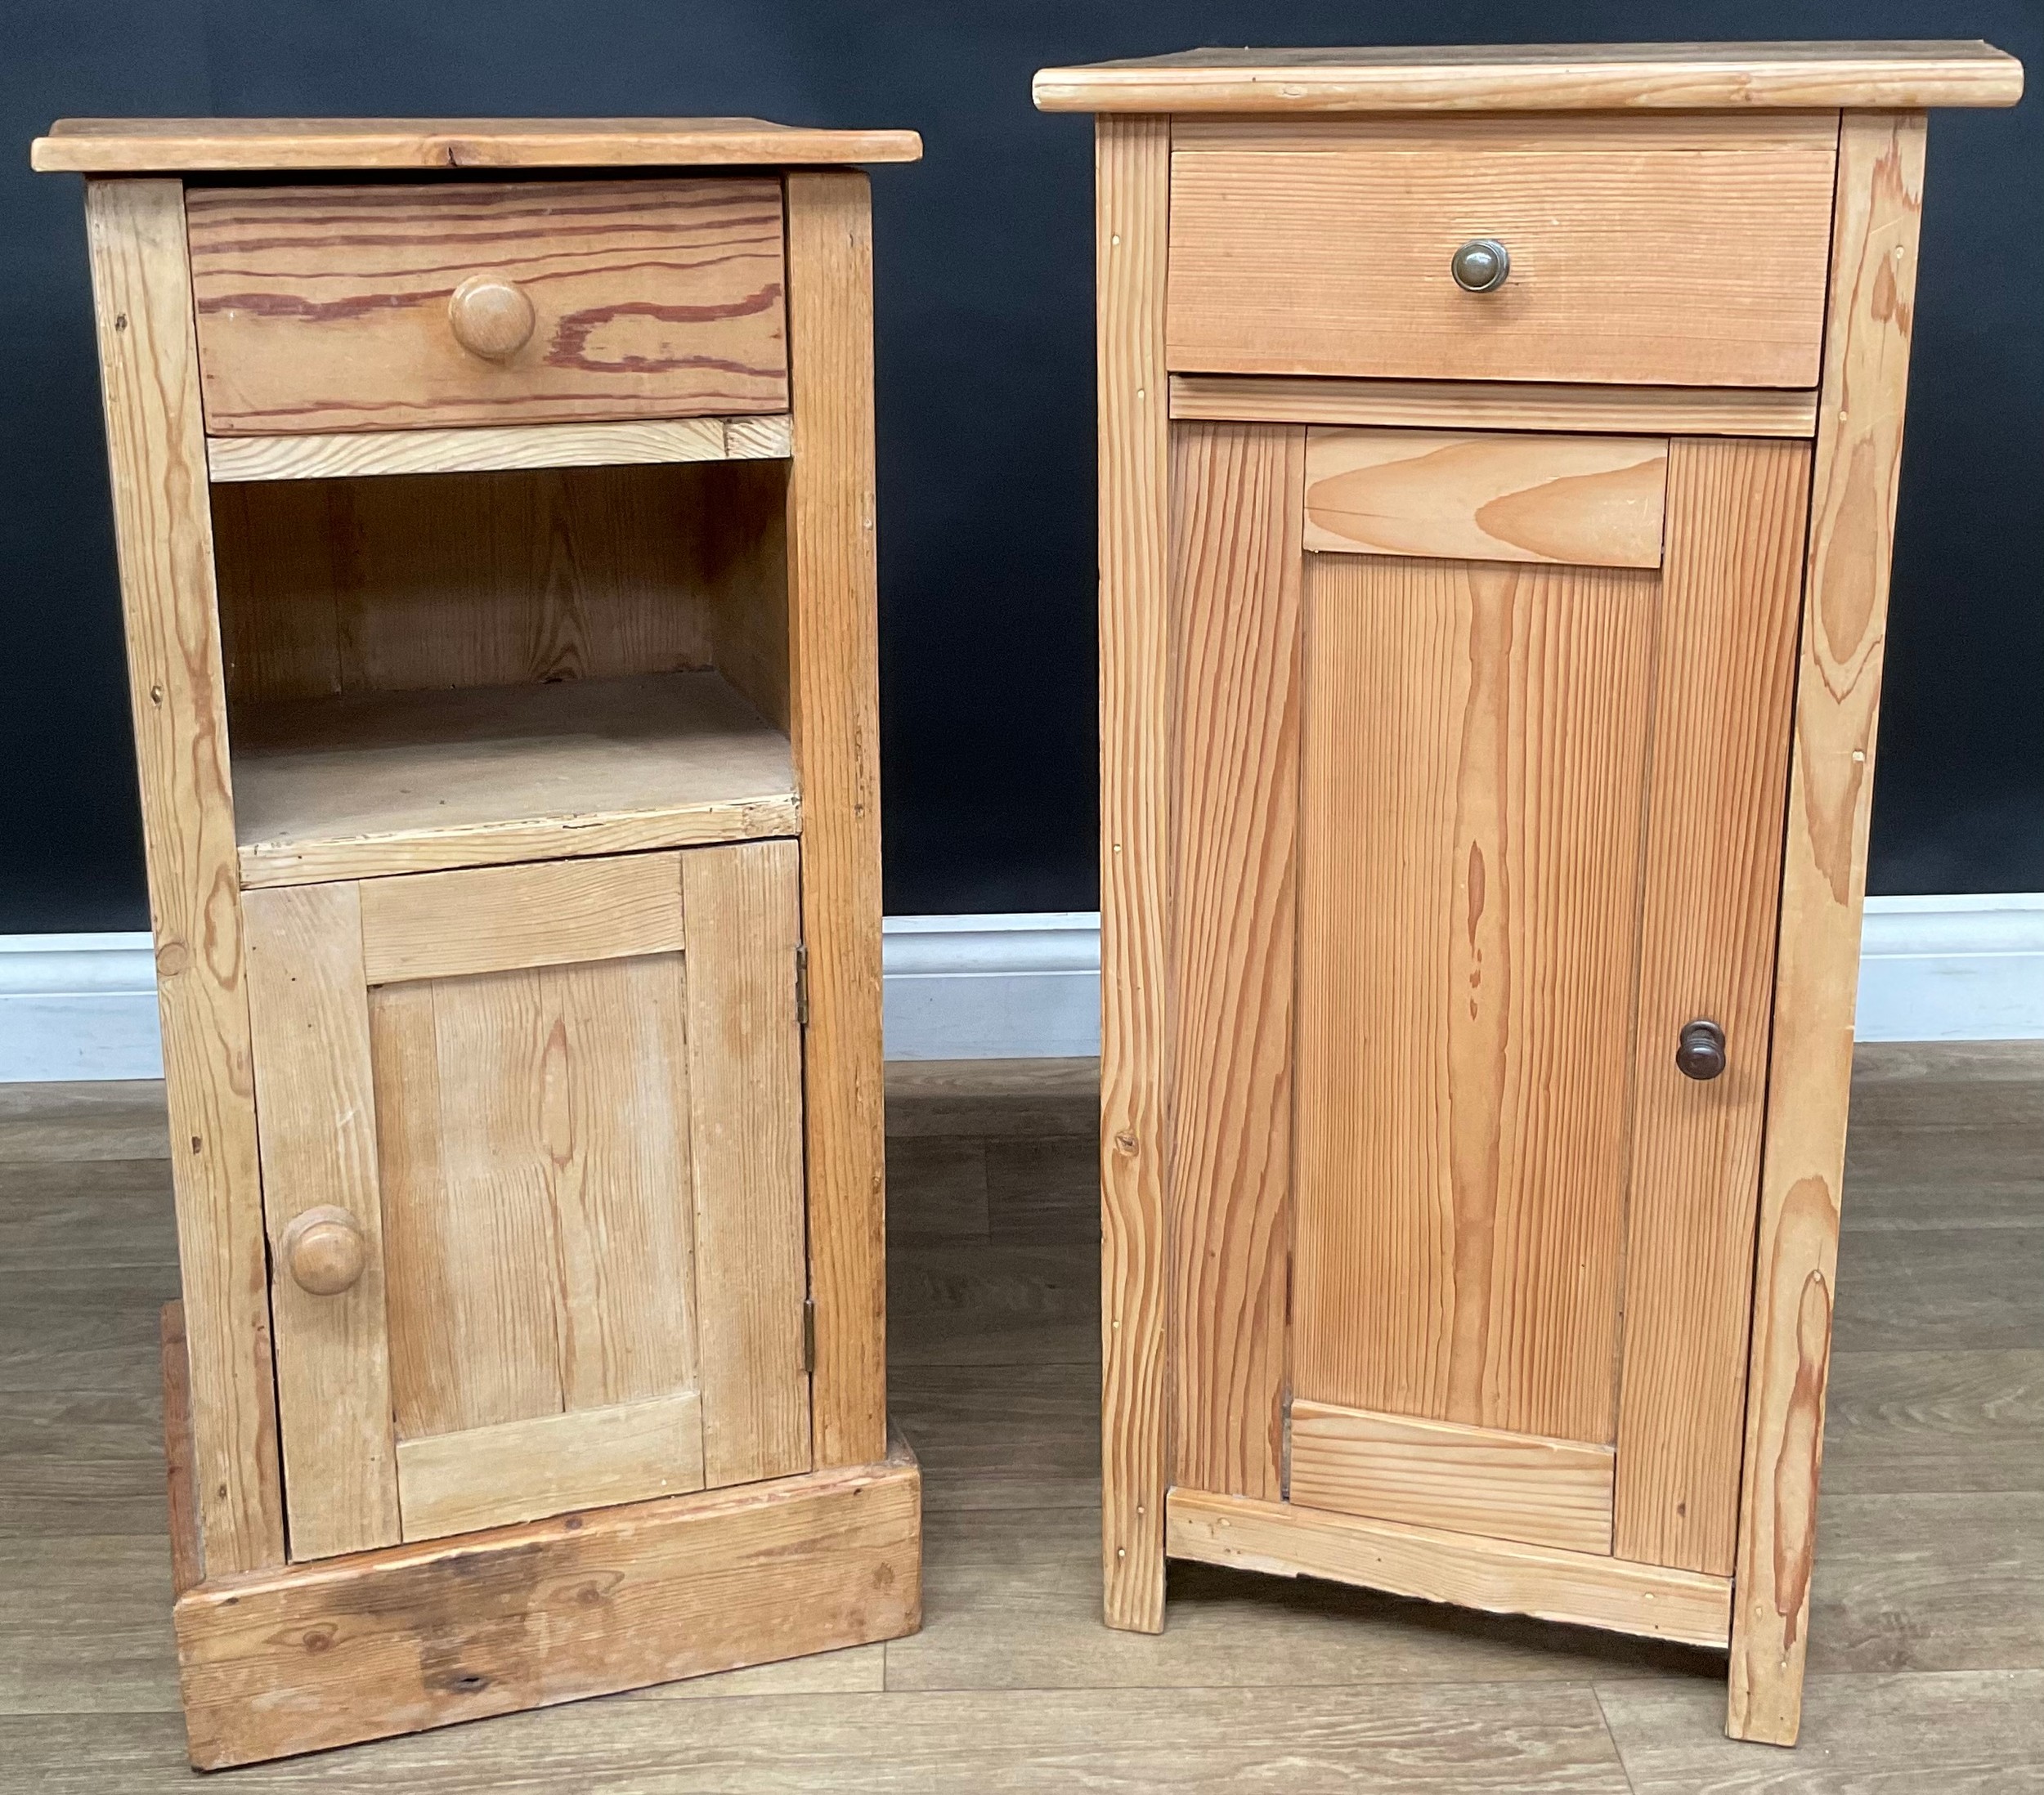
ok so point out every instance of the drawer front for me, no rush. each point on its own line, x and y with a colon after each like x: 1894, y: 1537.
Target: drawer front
x: 386, y: 307
x: 1685, y: 252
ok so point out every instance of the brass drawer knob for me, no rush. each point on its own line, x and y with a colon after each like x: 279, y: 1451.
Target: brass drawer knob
x: 1480, y: 265
x: 1700, y: 1054
x: 491, y: 315
x: 324, y: 1250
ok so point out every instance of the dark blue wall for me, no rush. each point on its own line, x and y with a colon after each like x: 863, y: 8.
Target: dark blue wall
x: 986, y: 398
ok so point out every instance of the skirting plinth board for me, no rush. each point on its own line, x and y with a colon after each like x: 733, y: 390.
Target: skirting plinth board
x: 420, y: 1636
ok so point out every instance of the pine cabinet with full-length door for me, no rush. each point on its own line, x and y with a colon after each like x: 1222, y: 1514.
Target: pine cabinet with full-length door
x: 494, y: 508
x: 1498, y: 457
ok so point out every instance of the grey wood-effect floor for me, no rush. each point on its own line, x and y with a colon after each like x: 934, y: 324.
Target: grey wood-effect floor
x: 1927, y: 1652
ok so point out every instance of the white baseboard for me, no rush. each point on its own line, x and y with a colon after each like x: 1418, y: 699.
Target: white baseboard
x: 1027, y: 986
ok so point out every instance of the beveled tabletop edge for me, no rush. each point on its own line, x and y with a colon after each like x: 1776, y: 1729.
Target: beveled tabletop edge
x: 257, y: 145
x: 1520, y: 77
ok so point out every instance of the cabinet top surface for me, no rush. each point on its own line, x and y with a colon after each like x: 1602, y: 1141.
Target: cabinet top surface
x: 194, y: 145
x: 1560, y: 77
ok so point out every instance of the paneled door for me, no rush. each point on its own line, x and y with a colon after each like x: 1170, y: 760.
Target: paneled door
x: 1488, y: 845
x: 530, y: 1139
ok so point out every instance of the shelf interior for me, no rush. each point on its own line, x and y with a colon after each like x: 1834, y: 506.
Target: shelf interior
x: 375, y: 782
x: 426, y: 671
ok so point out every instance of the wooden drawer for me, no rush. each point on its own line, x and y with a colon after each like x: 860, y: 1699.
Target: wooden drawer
x: 385, y: 308
x: 1683, y: 251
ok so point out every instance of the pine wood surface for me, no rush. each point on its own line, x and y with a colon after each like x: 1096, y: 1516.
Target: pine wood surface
x: 533, y: 1129
x: 418, y: 582
x: 1472, y: 405
x: 1588, y: 501
x: 1590, y: 1589
x: 1442, y: 1475
x: 1672, y: 251
x: 484, y: 449
x: 1928, y: 1593
x: 316, y: 1122
x: 340, y: 308
x: 168, y: 146
x: 742, y: 904
x: 833, y: 700
x: 1723, y: 673
x: 177, y: 687
x: 1533, y: 77
x: 507, y: 918
x: 380, y: 783
x: 1235, y: 500
x: 1131, y: 183
x: 553, y: 1464
x: 1855, y: 466
x: 1476, y: 738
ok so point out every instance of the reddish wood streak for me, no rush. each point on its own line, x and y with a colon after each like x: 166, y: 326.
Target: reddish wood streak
x: 571, y: 335
x: 437, y: 236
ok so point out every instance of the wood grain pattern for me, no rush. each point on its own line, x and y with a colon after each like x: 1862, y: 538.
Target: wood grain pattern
x: 1559, y: 77
x: 833, y: 651
x: 1270, y: 273
x: 1478, y: 1480
x: 361, y: 787
x: 1235, y: 500
x: 743, y: 909
x: 1858, y: 453
x: 534, y: 1137
x: 1437, y: 1565
x: 316, y: 1115
x: 327, y: 308
x: 519, y: 1471
x: 486, y: 449
x: 166, y: 145
x: 1590, y: 501
x: 419, y: 1636
x: 1131, y: 186
x: 156, y: 458
x: 507, y: 918
x: 1474, y: 783
x: 1724, y: 684
x: 187, y: 1564
x: 746, y: 556
x: 416, y: 582
x: 1476, y: 405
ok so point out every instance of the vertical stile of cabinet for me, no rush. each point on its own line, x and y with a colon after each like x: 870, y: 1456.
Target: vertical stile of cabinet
x: 497, y: 561
x: 1497, y: 476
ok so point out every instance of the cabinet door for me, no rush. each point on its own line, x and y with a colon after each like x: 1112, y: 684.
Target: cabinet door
x: 1529, y: 830
x: 531, y: 1142
x: 1541, y: 802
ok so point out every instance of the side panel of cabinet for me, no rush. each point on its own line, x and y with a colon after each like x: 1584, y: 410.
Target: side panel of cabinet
x: 1474, y: 789
x: 562, y: 1103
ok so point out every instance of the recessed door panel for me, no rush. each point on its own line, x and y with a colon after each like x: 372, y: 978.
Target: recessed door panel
x: 1474, y: 785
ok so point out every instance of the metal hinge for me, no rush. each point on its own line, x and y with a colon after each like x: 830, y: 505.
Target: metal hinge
x: 809, y: 1337
x: 802, y: 986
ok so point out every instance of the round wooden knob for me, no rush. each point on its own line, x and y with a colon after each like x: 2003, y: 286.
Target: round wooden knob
x: 1700, y: 1052
x: 324, y: 1250
x: 491, y: 315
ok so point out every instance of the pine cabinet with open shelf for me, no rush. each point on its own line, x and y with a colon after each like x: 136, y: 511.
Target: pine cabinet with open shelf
x: 494, y: 501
